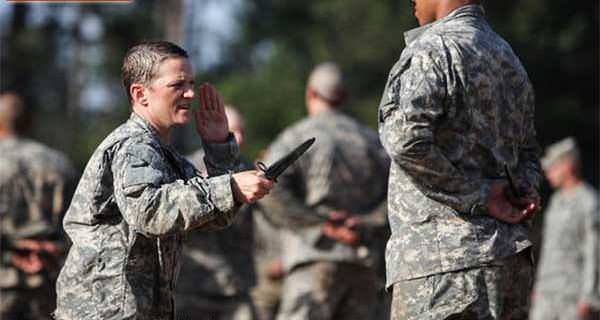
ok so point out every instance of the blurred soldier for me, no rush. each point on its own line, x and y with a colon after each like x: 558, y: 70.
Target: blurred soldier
x: 329, y: 201
x: 34, y: 188
x: 568, y: 284
x: 217, y: 268
x: 457, y: 107
x: 266, y: 295
x: 138, y: 196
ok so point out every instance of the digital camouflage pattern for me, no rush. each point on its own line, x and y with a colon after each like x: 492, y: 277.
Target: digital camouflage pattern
x: 345, y: 169
x: 135, y: 200
x: 457, y: 105
x: 266, y: 295
x: 216, y: 272
x: 329, y: 290
x: 35, y: 186
x: 496, y: 290
x: 569, y: 269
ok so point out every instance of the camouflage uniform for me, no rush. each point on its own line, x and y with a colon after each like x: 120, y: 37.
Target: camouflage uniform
x: 346, y: 169
x: 266, y: 295
x: 35, y: 183
x: 569, y: 267
x: 135, y: 200
x: 457, y: 105
x: 216, y: 273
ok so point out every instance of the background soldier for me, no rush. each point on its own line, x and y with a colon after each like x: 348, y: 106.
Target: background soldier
x: 567, y: 284
x: 329, y: 202
x: 457, y: 106
x: 217, y: 268
x: 35, y: 184
x: 138, y: 196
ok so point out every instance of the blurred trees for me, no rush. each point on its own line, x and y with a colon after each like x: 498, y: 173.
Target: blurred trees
x: 265, y: 68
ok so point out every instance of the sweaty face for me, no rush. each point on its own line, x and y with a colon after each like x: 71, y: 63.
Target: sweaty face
x: 170, y: 94
x: 424, y: 10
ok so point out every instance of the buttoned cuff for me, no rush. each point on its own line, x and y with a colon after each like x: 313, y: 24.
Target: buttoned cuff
x: 222, y: 156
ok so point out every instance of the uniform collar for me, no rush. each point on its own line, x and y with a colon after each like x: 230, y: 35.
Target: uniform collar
x: 137, y: 120
x: 473, y: 10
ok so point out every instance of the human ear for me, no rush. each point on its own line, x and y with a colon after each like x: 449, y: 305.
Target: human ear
x: 138, y: 94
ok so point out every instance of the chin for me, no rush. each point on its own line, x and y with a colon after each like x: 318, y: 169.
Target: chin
x: 182, y: 118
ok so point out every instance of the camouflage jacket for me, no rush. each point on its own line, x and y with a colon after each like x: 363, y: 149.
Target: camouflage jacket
x: 135, y: 200
x: 218, y: 264
x: 457, y: 105
x: 570, y: 257
x: 345, y: 169
x: 35, y: 184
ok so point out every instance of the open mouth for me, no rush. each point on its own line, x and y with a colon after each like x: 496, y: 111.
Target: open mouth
x: 184, y: 106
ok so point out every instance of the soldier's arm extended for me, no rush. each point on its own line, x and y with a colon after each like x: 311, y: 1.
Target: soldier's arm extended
x: 155, y: 208
x: 590, y: 291
x: 407, y: 129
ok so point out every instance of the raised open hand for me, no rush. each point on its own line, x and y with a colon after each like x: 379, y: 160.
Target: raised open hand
x: 211, y: 122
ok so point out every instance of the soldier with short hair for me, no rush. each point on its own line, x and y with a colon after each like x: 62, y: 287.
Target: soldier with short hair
x: 35, y: 185
x: 568, y: 276
x: 458, y: 106
x: 138, y: 196
x: 328, y: 203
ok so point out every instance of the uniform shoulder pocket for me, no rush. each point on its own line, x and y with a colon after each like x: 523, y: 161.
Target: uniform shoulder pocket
x: 142, y: 167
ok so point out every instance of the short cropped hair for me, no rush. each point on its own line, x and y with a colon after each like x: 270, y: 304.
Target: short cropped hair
x: 141, y: 62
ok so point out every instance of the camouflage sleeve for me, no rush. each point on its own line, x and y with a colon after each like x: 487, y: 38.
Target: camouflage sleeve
x: 529, y: 173
x: 222, y: 158
x: 407, y: 131
x: 155, y: 208
x: 590, y: 292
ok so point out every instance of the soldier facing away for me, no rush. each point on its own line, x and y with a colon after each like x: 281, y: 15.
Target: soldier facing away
x: 457, y: 107
x: 567, y: 283
x: 217, y: 267
x: 35, y: 185
x: 138, y: 196
x: 329, y: 202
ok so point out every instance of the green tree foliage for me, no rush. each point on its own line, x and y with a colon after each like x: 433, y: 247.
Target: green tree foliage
x: 556, y: 40
x: 265, y: 70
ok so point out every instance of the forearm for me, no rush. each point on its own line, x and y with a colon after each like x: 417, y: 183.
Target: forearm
x: 412, y: 148
x: 590, y: 291
x: 179, y: 206
x: 529, y: 171
x: 285, y: 211
x: 222, y: 158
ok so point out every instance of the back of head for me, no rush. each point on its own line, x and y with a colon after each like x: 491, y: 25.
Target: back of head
x: 12, y: 112
x: 327, y: 81
x: 141, y: 62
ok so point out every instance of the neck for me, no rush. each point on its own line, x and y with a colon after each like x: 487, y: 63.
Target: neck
x: 7, y: 134
x: 318, y: 106
x: 571, y: 183
x: 163, y: 133
x: 446, y: 7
